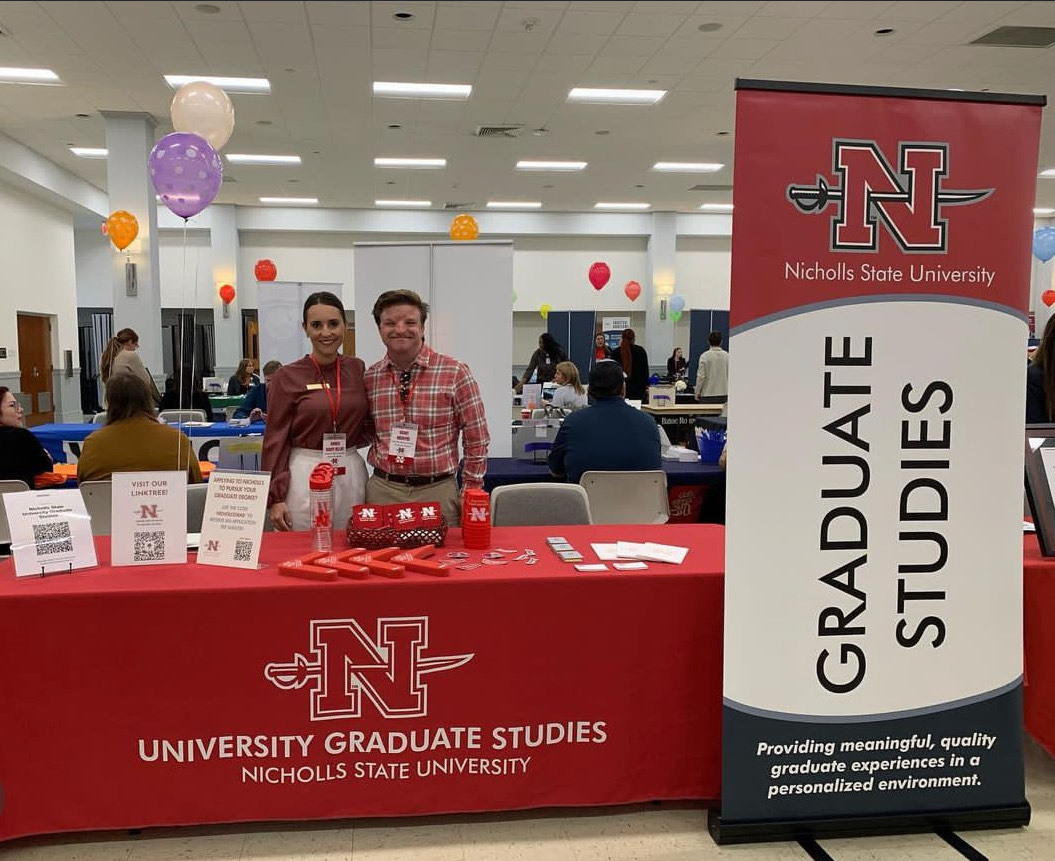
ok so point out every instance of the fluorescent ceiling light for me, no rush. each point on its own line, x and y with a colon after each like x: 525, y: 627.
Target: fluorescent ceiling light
x: 551, y: 165
x: 292, y: 201
x: 395, y: 90
x: 717, y: 207
x: 416, y: 204
x: 410, y: 162
x: 688, y: 166
x: 598, y: 96
x: 1044, y: 211
x: 15, y: 75
x: 249, y: 158
x: 621, y: 205
x: 514, y: 204
x: 228, y: 85
x: 89, y: 151
x: 1049, y: 172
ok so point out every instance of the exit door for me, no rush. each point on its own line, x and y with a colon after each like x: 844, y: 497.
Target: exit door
x: 34, y: 360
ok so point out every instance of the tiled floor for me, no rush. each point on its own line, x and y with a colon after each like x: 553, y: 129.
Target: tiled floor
x: 645, y: 833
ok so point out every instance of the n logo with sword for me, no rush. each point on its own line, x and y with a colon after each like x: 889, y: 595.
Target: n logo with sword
x: 346, y: 665
x: 908, y: 203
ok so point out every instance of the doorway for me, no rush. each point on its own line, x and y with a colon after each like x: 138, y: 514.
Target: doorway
x: 34, y: 360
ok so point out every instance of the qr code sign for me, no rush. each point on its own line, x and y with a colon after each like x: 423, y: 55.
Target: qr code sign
x: 148, y: 546
x: 52, y: 538
x: 243, y: 550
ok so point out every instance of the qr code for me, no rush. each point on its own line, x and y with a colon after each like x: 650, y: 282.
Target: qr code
x: 243, y: 550
x: 148, y: 546
x: 52, y: 538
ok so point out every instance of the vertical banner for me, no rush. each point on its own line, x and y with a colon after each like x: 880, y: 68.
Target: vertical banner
x: 873, y: 605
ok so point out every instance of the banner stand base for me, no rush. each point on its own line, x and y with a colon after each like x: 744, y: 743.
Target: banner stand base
x: 727, y: 833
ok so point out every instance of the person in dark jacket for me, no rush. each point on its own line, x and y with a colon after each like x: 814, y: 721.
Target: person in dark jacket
x: 1040, y: 379
x: 22, y: 457
x: 254, y: 404
x: 185, y: 393
x: 634, y: 360
x: 544, y: 360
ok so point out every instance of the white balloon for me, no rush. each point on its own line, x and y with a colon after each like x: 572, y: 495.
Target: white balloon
x: 205, y: 110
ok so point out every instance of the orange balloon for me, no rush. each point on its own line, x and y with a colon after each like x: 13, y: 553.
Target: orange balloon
x: 122, y: 228
x: 464, y: 227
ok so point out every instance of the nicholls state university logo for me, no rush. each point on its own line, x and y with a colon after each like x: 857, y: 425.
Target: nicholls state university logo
x: 346, y: 665
x: 908, y: 202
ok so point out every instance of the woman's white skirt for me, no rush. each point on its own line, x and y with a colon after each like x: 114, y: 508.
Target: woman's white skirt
x: 348, y: 489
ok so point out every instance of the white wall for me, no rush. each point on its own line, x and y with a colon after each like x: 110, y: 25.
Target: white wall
x: 93, y: 253
x: 185, y: 271
x: 317, y: 257
x: 702, y: 272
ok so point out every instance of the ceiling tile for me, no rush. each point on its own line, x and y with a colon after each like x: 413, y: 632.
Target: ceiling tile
x: 590, y: 22
x: 651, y: 24
x: 460, y: 40
x: 475, y: 17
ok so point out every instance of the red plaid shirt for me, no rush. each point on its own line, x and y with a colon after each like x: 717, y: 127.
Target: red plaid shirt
x: 444, y: 399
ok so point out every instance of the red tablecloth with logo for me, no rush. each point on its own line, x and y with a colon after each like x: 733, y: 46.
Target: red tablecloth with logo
x: 187, y: 694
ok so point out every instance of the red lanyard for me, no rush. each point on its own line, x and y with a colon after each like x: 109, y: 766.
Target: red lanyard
x: 334, y: 407
x: 410, y: 392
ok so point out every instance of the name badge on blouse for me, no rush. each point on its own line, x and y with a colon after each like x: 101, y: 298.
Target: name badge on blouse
x: 310, y: 386
x: 333, y: 450
x: 403, y: 442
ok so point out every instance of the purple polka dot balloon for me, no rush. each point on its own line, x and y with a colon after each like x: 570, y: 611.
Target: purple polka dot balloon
x: 186, y: 172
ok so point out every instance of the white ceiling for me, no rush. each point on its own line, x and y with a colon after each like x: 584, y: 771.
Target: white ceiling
x: 520, y: 57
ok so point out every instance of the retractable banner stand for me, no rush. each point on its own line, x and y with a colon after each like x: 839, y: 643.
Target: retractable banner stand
x: 873, y: 609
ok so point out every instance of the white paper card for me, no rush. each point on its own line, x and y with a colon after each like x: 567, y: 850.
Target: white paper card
x: 50, y: 531
x: 234, y: 519
x: 607, y: 552
x: 628, y: 549
x: 662, y: 553
x: 629, y: 566
x: 148, y: 513
x: 592, y: 566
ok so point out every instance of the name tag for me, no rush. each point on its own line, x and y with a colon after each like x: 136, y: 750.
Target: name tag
x: 403, y: 442
x: 333, y: 449
x: 310, y: 386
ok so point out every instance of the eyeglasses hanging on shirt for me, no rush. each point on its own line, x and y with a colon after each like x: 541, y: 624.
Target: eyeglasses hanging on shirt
x: 404, y: 386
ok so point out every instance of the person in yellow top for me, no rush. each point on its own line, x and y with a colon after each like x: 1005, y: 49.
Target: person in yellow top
x: 132, y: 440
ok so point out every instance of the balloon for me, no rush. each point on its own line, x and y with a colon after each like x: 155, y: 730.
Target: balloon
x: 265, y: 270
x: 186, y: 172
x: 544, y: 310
x: 632, y: 290
x: 677, y: 303
x: 122, y: 228
x: 675, y: 315
x: 464, y: 227
x: 227, y: 294
x: 205, y: 110
x: 1048, y: 297
x: 1044, y: 243
x: 599, y: 275
x: 104, y: 228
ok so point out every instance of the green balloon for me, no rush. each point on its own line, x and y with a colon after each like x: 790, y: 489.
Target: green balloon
x: 675, y: 315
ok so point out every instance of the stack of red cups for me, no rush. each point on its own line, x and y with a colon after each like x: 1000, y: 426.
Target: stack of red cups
x: 476, y: 519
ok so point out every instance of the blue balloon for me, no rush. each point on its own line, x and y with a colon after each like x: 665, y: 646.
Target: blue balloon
x: 1044, y: 243
x: 677, y: 303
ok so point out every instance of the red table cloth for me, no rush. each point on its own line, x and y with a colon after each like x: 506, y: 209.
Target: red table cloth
x: 1039, y: 633
x: 145, y: 696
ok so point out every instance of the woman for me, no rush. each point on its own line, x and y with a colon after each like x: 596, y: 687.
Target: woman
x: 316, y: 401
x: 120, y: 357
x: 243, y: 379
x: 1040, y: 379
x: 634, y: 360
x: 544, y: 360
x: 570, y: 395
x: 132, y: 440
x: 601, y: 350
x: 22, y: 457
x: 677, y: 367
x: 185, y: 393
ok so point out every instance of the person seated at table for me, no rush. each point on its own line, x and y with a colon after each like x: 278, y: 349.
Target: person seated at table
x: 185, y: 392
x: 609, y: 434
x: 243, y: 379
x: 677, y: 367
x: 254, y: 404
x: 569, y: 395
x: 132, y: 440
x: 22, y: 457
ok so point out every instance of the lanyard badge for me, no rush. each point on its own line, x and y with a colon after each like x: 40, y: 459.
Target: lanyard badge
x: 403, y: 440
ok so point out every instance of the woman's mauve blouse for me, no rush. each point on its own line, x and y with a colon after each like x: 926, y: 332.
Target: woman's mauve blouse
x: 298, y: 416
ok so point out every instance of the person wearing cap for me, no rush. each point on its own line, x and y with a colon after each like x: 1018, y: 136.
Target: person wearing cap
x: 421, y: 401
x: 609, y: 434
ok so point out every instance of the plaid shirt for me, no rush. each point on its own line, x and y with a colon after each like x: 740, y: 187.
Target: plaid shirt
x: 444, y: 400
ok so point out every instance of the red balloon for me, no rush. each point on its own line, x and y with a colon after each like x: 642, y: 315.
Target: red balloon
x: 1048, y: 297
x: 632, y: 290
x: 227, y: 294
x: 599, y: 275
x: 265, y: 270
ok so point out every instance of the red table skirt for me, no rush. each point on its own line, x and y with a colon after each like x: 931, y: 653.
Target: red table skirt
x: 139, y: 697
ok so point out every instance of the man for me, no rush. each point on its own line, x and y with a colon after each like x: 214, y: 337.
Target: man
x: 420, y: 401
x: 712, y: 372
x: 610, y: 434
x: 254, y: 404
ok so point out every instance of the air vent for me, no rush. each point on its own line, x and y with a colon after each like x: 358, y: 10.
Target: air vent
x: 1018, y: 37
x: 468, y: 205
x: 711, y: 188
x: 498, y: 131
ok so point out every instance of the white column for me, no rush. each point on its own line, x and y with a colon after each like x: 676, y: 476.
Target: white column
x: 224, y: 241
x: 662, y: 250
x: 129, y: 139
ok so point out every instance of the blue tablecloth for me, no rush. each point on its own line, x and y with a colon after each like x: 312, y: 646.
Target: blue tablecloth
x: 63, y: 442
x: 507, y: 470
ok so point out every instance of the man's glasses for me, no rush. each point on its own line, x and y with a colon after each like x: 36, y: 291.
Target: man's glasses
x: 404, y: 385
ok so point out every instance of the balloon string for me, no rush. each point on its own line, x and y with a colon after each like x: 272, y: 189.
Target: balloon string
x: 178, y: 370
